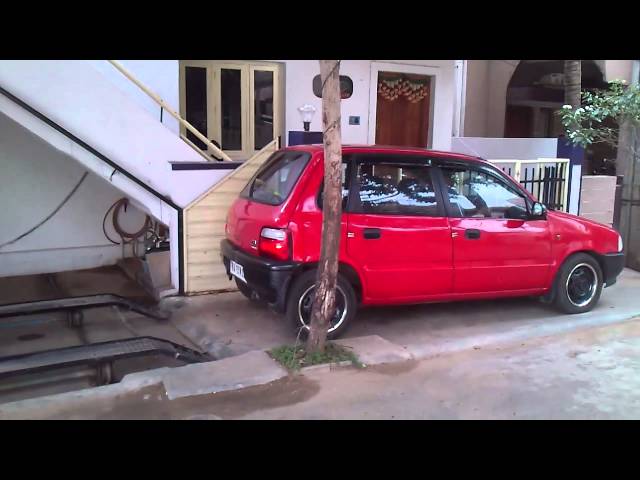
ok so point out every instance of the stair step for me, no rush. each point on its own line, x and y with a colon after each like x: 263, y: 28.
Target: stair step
x: 216, y: 279
x: 246, y: 173
x: 204, y: 242
x: 205, y: 268
x: 210, y: 255
x: 202, y: 213
x: 215, y: 200
x: 205, y: 229
x: 195, y: 229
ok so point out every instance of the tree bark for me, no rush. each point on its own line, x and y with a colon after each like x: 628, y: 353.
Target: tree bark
x: 324, y: 301
x: 572, y: 83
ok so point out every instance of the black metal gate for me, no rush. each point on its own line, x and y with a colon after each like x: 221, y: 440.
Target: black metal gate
x: 547, y: 180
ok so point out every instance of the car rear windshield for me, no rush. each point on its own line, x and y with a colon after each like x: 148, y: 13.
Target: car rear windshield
x: 276, y: 178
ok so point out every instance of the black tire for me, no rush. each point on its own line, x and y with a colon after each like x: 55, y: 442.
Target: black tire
x: 248, y: 292
x: 345, y: 296
x: 578, y: 284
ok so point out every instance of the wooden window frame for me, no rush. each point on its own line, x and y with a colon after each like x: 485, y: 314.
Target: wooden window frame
x: 214, y: 122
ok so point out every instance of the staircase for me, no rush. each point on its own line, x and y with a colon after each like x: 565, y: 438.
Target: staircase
x: 204, y: 221
x: 77, y: 110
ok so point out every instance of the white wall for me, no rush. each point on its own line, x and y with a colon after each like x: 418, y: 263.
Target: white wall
x: 299, y: 90
x: 477, y: 99
x: 35, y: 179
x: 84, y: 101
x: 500, y: 72
x: 618, y: 70
x: 507, y: 148
x: 299, y: 77
x: 161, y: 76
x: 487, y: 82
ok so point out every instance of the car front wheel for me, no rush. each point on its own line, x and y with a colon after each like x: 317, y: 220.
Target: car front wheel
x: 579, y: 284
x: 300, y: 302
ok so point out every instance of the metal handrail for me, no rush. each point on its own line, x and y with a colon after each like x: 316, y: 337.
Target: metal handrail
x: 174, y: 114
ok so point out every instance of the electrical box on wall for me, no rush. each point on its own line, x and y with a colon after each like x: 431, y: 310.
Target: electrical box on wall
x: 354, y: 120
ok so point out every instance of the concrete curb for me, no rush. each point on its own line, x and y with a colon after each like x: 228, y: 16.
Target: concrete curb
x: 325, y: 367
x: 375, y: 350
x: 30, y: 408
x: 232, y: 373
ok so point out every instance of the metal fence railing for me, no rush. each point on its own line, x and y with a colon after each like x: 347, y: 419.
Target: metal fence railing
x: 547, y: 179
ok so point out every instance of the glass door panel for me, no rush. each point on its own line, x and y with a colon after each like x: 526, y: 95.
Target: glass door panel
x: 262, y: 108
x: 231, y: 108
x: 196, y: 103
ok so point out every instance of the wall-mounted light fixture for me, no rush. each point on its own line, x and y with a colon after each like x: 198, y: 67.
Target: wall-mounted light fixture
x: 306, y: 112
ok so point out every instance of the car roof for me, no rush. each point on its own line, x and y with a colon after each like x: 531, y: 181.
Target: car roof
x: 352, y: 148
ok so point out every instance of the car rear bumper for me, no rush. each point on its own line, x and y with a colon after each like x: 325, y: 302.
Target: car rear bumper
x: 612, y: 265
x: 269, y: 278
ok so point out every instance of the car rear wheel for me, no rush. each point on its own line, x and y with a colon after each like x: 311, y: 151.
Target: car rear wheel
x: 579, y: 284
x: 300, y: 302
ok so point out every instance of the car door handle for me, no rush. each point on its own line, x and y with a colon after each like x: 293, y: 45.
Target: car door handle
x: 371, y: 233
x: 472, y: 234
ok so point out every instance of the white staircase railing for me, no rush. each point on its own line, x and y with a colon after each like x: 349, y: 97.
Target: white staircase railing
x: 156, y: 98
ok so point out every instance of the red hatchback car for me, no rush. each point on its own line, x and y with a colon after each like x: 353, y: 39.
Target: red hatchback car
x: 417, y: 226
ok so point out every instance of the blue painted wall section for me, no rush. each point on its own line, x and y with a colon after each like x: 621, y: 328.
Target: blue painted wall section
x: 304, y: 138
x: 575, y: 154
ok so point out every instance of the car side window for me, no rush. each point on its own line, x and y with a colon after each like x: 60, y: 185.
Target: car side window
x: 395, y: 189
x: 476, y: 194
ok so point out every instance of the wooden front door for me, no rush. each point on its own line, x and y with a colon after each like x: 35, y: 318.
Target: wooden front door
x: 403, y: 109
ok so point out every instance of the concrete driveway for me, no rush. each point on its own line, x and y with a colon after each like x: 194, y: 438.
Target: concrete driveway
x: 228, y: 324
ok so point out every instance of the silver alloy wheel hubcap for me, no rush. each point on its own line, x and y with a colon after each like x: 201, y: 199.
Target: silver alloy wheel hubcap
x: 306, y: 300
x: 582, y: 284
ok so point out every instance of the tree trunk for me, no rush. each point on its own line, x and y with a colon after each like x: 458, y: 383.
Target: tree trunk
x: 572, y: 83
x: 324, y: 301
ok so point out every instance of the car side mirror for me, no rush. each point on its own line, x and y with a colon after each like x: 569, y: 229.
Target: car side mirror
x: 538, y: 211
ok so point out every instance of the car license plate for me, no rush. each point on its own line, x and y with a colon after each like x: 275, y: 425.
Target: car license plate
x: 237, y: 270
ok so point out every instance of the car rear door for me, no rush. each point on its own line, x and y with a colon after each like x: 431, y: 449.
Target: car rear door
x: 398, y: 233
x: 496, y: 247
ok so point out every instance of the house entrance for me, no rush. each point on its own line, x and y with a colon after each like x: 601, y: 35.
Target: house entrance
x: 403, y: 109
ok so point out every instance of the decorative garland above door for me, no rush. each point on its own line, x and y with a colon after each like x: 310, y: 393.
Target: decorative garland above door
x: 393, y: 87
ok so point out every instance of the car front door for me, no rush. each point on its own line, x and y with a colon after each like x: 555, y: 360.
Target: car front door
x: 496, y: 246
x: 398, y: 233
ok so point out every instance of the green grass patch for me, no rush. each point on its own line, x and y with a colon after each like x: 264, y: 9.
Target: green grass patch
x: 295, y: 358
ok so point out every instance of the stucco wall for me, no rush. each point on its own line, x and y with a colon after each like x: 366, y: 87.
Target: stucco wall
x: 477, y: 99
x: 487, y: 82
x: 507, y: 148
x: 162, y: 78
x: 618, y: 70
x: 35, y: 179
x: 160, y: 75
x: 298, y: 84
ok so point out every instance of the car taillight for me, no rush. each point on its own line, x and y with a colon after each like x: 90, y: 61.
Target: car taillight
x: 274, y: 243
